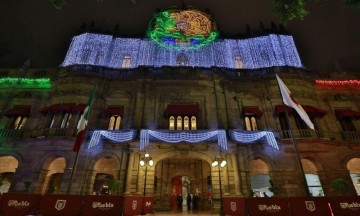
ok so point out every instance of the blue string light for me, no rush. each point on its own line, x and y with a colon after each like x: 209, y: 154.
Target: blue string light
x: 253, y: 136
x: 107, y: 51
x: 172, y: 136
x: 114, y: 135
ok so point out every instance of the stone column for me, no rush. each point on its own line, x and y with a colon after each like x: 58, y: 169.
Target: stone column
x: 132, y: 169
x: 236, y: 174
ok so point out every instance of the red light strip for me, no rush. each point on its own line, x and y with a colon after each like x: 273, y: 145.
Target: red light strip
x: 338, y: 82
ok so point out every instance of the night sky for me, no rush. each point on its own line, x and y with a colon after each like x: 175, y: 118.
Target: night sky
x: 328, y: 39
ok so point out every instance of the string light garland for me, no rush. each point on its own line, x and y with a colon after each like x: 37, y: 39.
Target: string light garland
x: 182, y: 29
x: 23, y: 83
x: 253, y: 136
x: 172, y: 136
x: 117, y: 136
x: 338, y: 82
x: 106, y: 51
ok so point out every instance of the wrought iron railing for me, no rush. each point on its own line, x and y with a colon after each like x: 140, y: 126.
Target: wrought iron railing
x: 351, y: 135
x: 11, y: 133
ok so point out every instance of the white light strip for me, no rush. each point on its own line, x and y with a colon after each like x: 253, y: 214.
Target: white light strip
x: 171, y: 136
x: 252, y: 136
x: 114, y: 135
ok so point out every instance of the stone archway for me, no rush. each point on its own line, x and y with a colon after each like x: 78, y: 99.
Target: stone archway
x: 353, y: 166
x: 51, y: 175
x: 8, y: 166
x: 260, y: 178
x: 179, y: 174
x: 105, y: 169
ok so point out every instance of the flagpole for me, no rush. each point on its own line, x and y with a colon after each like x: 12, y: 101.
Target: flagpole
x: 72, y: 173
x: 295, y: 147
x: 73, y: 169
x: 297, y: 154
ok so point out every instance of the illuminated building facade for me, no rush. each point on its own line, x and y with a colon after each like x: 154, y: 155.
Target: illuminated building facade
x: 185, y: 108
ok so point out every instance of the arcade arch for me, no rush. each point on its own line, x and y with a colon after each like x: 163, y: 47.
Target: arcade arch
x: 105, y: 171
x: 51, y: 176
x: 185, y: 175
x: 260, y: 178
x: 8, y: 166
x: 312, y: 178
x: 353, y: 166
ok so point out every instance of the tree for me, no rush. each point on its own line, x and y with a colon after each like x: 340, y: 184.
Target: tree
x: 286, y: 10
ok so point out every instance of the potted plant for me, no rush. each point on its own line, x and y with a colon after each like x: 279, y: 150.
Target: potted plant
x: 340, y: 186
x: 27, y: 185
x: 114, y: 186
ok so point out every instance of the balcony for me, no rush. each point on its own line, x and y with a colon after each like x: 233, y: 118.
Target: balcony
x: 11, y: 133
x: 351, y: 135
x: 301, y: 134
x: 66, y: 132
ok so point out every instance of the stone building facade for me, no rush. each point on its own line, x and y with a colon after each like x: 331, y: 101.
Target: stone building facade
x: 184, y: 117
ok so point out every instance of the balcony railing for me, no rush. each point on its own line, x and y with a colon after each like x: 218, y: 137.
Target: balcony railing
x: 11, y: 133
x: 301, y: 134
x: 67, y: 132
x: 351, y: 135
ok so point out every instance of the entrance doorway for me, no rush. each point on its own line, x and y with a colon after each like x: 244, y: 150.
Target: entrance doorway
x: 183, y: 176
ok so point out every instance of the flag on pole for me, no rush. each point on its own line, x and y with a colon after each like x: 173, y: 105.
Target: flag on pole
x: 81, y: 131
x: 291, y: 102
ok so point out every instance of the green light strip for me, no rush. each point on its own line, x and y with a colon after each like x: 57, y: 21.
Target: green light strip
x: 23, y: 83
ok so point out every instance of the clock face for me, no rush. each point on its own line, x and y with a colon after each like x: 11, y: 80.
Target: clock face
x: 182, y: 29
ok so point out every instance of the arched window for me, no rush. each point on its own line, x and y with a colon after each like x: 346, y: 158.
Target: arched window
x: 52, y: 120
x: 182, y: 60
x: 186, y: 123
x: 126, y: 63
x: 114, y: 122
x: 312, y: 178
x: 238, y: 62
x: 193, y: 123
x: 179, y: 123
x: 250, y: 123
x: 171, y: 123
x: 65, y: 120
x: 19, y: 122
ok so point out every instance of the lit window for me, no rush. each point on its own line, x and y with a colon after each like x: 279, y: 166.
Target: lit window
x: 182, y: 60
x: 171, y: 123
x: 186, y: 123
x: 65, y: 120
x: 114, y: 122
x: 314, y: 185
x: 250, y: 123
x: 238, y: 63
x: 19, y: 122
x: 51, y: 123
x: 193, y: 123
x: 126, y: 63
x: 179, y: 123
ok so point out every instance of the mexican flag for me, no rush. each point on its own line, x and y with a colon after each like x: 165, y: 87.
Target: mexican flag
x: 81, y: 131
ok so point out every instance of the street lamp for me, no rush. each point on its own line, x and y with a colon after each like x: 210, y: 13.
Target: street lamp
x: 220, y: 162
x: 146, y: 161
